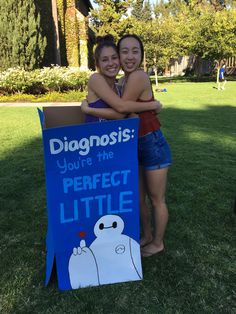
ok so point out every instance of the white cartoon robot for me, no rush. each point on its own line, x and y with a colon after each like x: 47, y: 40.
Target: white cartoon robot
x: 112, y: 257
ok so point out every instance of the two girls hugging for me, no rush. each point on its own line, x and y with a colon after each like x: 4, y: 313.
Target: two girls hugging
x: 133, y: 95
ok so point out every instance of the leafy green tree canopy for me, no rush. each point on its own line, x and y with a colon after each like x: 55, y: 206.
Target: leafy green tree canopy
x: 110, y: 17
x: 173, y: 28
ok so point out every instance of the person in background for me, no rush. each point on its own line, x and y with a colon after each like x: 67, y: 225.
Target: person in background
x: 222, y: 80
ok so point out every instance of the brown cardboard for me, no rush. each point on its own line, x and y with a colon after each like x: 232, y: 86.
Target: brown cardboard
x: 62, y: 116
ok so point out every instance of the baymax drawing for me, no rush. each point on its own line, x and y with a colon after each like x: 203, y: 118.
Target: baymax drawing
x: 112, y: 257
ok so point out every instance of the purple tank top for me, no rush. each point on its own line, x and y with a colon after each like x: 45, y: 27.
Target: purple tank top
x: 96, y: 104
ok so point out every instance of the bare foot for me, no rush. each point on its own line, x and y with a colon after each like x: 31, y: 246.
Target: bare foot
x: 144, y: 241
x: 152, y: 249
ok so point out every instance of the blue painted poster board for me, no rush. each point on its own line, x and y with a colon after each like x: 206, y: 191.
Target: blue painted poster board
x: 92, y: 203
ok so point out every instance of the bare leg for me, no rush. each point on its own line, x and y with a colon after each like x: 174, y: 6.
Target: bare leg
x: 156, y: 184
x: 223, y: 85
x: 144, y: 211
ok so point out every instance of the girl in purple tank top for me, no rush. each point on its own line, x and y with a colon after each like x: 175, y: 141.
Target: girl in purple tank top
x: 100, y: 104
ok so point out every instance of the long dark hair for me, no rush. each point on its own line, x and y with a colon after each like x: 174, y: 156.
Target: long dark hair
x: 135, y: 37
x: 103, y: 41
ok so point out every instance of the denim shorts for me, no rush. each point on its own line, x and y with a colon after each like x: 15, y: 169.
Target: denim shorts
x: 154, y: 151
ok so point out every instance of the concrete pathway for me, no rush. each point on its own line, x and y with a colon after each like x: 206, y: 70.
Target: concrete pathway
x: 38, y: 104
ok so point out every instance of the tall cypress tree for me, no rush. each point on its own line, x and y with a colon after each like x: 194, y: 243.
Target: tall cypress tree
x: 108, y: 17
x: 142, y: 10
x: 147, y: 11
x: 137, y: 9
x: 21, y: 42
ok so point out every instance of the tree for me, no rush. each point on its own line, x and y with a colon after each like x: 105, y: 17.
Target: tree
x: 168, y: 34
x: 20, y: 35
x: 137, y: 9
x: 141, y: 14
x: 161, y: 41
x: 216, y: 39
x: 217, y: 5
x: 56, y: 32
x: 161, y: 8
x: 109, y: 17
x: 147, y: 11
x: 206, y: 28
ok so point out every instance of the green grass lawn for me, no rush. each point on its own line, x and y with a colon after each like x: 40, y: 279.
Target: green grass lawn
x: 198, y: 270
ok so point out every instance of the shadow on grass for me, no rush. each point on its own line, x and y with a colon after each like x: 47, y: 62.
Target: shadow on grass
x: 23, y: 221
x: 199, y: 240
x: 203, y: 146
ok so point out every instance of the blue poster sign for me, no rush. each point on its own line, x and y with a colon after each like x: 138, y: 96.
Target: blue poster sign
x: 92, y: 203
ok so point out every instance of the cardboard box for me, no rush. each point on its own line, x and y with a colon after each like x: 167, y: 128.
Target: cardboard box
x: 92, y: 199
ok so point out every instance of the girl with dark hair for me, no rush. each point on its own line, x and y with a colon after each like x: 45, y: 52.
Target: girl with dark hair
x: 153, y: 150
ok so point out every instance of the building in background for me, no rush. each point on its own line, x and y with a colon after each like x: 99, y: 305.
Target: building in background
x: 195, y: 65
x: 69, y: 38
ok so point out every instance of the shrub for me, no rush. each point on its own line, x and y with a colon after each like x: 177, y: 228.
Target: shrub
x: 41, y: 81
x: 14, y: 80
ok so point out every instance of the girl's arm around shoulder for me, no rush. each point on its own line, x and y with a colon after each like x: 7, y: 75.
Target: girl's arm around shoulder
x: 138, y: 86
x: 100, y: 87
x: 105, y: 113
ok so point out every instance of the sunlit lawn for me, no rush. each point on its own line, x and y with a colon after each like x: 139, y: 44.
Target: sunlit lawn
x: 197, y: 272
